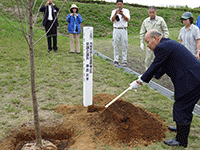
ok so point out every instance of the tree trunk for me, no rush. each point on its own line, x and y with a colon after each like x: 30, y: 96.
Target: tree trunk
x: 35, y: 106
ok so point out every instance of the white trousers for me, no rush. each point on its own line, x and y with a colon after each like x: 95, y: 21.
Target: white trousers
x: 120, y: 34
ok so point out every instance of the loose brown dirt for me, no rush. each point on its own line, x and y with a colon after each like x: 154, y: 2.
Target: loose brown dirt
x: 119, y: 125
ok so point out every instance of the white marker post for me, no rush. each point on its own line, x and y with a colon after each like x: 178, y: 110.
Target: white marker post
x: 87, y: 65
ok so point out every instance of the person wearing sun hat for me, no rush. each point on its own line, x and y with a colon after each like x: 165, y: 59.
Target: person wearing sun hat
x: 74, y: 19
x: 189, y: 35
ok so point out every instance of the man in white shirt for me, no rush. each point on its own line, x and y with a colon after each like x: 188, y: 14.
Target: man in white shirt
x: 50, y: 12
x: 120, y: 18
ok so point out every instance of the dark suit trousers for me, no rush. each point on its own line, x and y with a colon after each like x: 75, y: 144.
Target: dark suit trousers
x: 51, y: 34
x: 183, y: 107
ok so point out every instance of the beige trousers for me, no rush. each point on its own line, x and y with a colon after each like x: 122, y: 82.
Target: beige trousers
x: 149, y: 58
x: 72, y: 45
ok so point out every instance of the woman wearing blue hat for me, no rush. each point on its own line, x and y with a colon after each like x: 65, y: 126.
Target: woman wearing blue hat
x: 189, y: 35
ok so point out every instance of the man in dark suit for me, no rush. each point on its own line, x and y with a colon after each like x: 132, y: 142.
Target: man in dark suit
x: 183, y: 68
x: 50, y: 12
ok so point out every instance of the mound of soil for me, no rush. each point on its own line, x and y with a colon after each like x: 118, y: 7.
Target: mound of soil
x: 123, y: 122
x: 119, y: 124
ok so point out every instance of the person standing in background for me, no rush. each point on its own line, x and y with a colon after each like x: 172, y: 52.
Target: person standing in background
x: 120, y: 18
x: 152, y: 22
x: 74, y: 19
x: 198, y: 22
x: 189, y: 35
x: 50, y: 13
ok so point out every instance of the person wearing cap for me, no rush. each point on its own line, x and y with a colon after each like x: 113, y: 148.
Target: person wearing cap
x: 189, y: 35
x: 120, y: 18
x: 152, y: 22
x: 174, y: 59
x: 50, y: 14
x: 74, y: 19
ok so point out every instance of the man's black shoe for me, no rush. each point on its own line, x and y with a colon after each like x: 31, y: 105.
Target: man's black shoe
x: 173, y: 142
x: 49, y: 50
x: 173, y: 129
x: 55, y: 51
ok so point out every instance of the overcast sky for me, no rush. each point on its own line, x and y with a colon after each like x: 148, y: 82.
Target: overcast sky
x: 189, y: 3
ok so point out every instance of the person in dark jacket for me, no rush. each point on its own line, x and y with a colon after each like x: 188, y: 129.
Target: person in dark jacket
x: 74, y: 19
x: 50, y: 13
x: 183, y: 68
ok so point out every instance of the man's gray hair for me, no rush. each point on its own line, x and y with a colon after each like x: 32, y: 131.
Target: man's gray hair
x: 152, y: 7
x: 155, y: 33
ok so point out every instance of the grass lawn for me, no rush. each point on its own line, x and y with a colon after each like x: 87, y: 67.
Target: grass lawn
x: 59, y: 80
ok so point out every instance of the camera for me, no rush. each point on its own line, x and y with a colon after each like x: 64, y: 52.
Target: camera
x: 120, y: 10
x: 117, y: 18
x: 50, y: 3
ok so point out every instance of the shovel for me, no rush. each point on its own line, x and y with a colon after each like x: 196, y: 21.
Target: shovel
x: 116, y: 98
x: 93, y: 108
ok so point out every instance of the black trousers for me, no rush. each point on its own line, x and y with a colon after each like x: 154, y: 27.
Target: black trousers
x: 184, y: 106
x: 51, y: 34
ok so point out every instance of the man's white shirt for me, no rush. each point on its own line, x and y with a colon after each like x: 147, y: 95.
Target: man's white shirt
x: 121, y: 22
x: 50, y: 17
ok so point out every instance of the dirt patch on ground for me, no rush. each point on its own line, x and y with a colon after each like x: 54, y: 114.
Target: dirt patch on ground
x: 119, y: 125
x: 59, y: 134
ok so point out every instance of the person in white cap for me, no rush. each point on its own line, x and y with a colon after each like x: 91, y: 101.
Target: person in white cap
x: 120, y: 18
x: 152, y: 22
x: 189, y: 35
x: 74, y: 19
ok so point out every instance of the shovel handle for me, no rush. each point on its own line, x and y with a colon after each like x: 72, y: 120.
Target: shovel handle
x: 116, y: 98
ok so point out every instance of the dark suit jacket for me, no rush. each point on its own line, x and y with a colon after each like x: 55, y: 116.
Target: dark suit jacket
x: 45, y: 9
x: 178, y: 63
